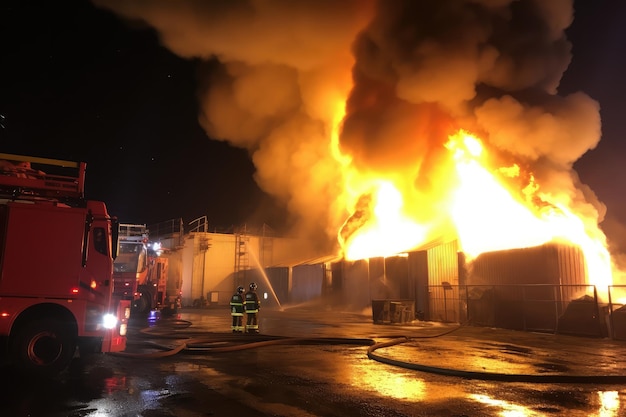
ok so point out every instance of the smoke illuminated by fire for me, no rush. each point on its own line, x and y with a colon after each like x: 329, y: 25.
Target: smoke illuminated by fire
x: 356, y: 114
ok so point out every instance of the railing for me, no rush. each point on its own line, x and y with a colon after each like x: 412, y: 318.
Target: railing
x: 201, y: 224
x: 168, y: 229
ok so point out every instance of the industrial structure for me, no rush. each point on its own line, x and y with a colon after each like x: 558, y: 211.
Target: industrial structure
x: 541, y: 288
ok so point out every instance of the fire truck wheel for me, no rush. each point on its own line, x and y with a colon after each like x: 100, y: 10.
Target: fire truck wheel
x: 44, y: 347
x: 143, y: 305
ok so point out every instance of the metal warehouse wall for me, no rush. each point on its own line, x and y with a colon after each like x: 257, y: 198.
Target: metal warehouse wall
x: 404, y: 277
x: 551, y: 263
x: 273, y: 287
x: 349, y: 287
x: 389, y: 278
x: 525, y: 288
x: 428, y: 270
x: 306, y: 283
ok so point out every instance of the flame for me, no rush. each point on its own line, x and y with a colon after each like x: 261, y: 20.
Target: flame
x: 486, y: 214
x: 389, y: 231
x: 488, y: 217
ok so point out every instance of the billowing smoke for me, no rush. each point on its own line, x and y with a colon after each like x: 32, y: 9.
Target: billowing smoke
x: 408, y: 73
x: 283, y: 71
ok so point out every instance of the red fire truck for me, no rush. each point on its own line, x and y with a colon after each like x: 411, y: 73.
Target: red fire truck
x: 161, y: 291
x: 56, y: 266
x: 141, y: 273
x: 131, y: 265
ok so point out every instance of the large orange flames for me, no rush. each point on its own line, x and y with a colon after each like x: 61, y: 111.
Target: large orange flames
x: 486, y: 214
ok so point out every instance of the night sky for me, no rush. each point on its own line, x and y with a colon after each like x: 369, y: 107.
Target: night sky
x: 79, y: 83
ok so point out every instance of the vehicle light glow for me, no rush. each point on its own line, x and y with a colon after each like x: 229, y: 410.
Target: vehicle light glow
x: 123, y: 328
x: 74, y: 290
x: 109, y: 321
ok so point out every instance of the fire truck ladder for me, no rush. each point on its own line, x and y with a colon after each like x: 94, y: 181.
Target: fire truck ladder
x: 18, y: 180
x: 136, y: 232
x: 242, y: 257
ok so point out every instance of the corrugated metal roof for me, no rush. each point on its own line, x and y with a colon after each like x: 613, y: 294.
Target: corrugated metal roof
x: 309, y: 261
x: 434, y: 243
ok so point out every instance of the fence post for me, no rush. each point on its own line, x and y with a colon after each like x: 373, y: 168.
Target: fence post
x: 467, y: 313
x: 611, y: 313
x: 524, y: 308
x: 595, y: 299
x: 445, y: 285
x: 493, y: 306
x: 556, y: 307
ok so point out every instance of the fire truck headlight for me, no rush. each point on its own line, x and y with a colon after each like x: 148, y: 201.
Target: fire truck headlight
x: 109, y: 321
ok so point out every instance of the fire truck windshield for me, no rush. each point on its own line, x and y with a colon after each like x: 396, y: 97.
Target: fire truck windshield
x: 131, y: 257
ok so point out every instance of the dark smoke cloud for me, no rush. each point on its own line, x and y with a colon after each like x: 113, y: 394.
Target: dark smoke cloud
x: 426, y: 68
x: 411, y: 71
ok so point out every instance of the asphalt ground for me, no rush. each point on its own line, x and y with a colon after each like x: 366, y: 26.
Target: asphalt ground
x: 429, y: 369
x: 464, y: 351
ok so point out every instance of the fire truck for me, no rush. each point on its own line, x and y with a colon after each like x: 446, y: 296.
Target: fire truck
x: 131, y: 265
x: 160, y: 291
x: 141, y: 273
x: 56, y: 267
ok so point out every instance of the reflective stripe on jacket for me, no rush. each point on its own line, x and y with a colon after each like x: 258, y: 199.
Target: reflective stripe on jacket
x: 252, y: 302
x: 236, y: 305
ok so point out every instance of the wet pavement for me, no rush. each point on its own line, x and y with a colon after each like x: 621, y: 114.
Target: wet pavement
x: 309, y: 361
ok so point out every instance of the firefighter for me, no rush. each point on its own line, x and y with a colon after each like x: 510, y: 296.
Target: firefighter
x: 236, y: 310
x: 252, y: 305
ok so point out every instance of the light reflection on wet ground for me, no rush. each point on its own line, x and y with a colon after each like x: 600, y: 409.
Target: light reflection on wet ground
x: 390, y: 384
x: 334, y: 379
x: 505, y: 408
x: 609, y: 403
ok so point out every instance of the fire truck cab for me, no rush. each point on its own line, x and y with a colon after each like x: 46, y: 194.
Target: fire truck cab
x: 131, y: 265
x: 56, y: 267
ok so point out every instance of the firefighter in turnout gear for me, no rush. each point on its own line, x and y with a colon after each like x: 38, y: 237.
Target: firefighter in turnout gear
x: 252, y: 305
x: 236, y: 310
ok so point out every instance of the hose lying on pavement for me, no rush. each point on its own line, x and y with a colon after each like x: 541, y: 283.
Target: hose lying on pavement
x: 225, y: 344
x: 222, y: 342
x: 489, y: 376
x: 201, y: 341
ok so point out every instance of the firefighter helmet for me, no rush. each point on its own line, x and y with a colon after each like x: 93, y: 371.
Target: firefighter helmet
x: 240, y: 290
x: 253, y: 286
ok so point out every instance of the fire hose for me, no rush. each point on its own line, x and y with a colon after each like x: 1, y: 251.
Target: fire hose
x: 489, y: 376
x: 222, y: 343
